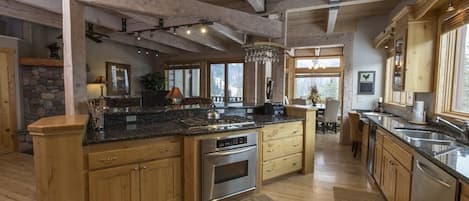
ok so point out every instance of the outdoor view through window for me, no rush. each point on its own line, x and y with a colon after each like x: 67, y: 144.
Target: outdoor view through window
x: 461, y: 81
x: 328, y: 87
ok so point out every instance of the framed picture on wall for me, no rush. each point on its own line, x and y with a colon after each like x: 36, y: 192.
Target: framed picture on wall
x: 366, y: 82
x: 117, y: 79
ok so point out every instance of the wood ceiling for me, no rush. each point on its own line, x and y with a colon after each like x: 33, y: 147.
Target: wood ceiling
x: 234, y: 19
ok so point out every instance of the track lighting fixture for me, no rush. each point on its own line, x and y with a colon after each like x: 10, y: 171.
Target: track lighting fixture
x: 156, y: 54
x: 147, y: 52
x: 450, y: 6
x: 203, y: 30
x: 137, y: 36
x: 188, y: 32
x: 139, y: 51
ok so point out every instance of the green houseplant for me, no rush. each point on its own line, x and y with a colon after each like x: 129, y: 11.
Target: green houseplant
x: 153, y: 81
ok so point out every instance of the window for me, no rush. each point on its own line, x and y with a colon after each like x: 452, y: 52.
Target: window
x: 226, y: 82
x: 187, y: 79
x: 328, y: 87
x: 461, y: 72
x: 323, y: 62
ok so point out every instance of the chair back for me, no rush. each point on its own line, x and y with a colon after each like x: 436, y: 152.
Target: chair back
x: 354, y: 121
x: 331, y: 112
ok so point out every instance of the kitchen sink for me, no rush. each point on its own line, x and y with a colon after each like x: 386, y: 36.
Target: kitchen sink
x: 425, y: 135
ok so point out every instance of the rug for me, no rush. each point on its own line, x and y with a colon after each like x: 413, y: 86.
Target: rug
x: 344, y: 194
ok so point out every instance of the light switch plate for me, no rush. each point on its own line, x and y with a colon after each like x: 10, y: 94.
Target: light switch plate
x: 410, y: 98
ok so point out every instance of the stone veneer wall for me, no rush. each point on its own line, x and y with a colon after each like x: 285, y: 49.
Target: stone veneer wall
x: 43, y: 92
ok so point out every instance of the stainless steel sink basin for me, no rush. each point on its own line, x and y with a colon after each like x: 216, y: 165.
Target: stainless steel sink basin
x: 425, y: 135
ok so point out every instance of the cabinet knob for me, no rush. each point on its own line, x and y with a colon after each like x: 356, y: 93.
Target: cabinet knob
x: 144, y: 167
x: 135, y: 169
x: 296, y: 145
x: 293, y: 164
x: 7, y: 130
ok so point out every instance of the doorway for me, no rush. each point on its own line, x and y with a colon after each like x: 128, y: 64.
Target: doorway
x: 8, y: 101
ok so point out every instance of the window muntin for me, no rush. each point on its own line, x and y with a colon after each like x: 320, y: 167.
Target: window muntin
x: 186, y: 79
x: 227, y: 82
x: 320, y: 62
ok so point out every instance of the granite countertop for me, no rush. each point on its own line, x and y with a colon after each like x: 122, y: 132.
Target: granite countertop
x: 454, y: 162
x: 171, y: 128
x: 150, y: 110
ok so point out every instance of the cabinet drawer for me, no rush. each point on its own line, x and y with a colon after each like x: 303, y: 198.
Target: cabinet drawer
x: 278, y: 148
x: 399, y: 153
x: 136, y: 154
x: 277, y: 131
x: 282, y: 166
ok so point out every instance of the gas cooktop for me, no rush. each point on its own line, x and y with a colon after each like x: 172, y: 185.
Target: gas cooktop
x: 226, y: 122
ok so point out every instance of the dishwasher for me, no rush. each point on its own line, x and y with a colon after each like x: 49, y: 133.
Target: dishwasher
x: 431, y: 183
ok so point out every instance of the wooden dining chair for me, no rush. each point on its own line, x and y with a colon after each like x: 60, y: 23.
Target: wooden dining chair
x: 355, y: 131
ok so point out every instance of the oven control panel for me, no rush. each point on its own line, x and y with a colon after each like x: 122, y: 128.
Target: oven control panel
x: 231, y: 142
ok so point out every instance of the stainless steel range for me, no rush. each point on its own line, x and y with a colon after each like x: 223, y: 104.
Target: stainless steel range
x: 229, y: 166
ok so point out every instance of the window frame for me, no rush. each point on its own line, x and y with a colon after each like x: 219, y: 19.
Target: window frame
x: 225, y: 63
x: 183, y: 68
x: 446, y: 70
x: 319, y: 57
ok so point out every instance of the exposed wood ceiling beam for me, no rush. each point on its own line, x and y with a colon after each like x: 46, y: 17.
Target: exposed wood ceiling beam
x: 28, y: 13
x: 237, y: 37
x: 332, y: 19
x: 258, y: 5
x: 92, y: 15
x: 135, y: 25
x: 195, y: 36
x: 305, y: 5
x: 44, y: 17
x: 172, y: 40
x: 132, y: 41
x: 248, y: 23
x: 332, y: 16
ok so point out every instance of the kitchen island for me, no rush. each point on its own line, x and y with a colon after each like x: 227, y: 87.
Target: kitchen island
x: 161, y: 160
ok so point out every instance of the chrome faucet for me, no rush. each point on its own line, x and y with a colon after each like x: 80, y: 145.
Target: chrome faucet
x: 464, y: 130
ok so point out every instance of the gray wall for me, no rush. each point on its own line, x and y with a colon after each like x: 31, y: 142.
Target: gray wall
x: 99, y: 53
x: 367, y: 58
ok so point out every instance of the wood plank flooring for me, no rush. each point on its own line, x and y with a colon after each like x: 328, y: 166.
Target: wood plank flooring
x: 17, y: 181
x: 334, y: 166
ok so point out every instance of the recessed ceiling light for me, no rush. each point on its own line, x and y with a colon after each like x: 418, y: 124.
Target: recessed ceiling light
x: 188, y: 32
x: 386, y: 47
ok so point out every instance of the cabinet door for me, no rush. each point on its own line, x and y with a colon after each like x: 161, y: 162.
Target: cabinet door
x: 388, y: 184
x: 160, y: 180
x: 404, y: 181
x: 377, y: 165
x: 115, y: 184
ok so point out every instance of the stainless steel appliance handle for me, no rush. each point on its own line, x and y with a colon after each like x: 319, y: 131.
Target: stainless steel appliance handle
x: 230, y: 152
x: 421, y: 167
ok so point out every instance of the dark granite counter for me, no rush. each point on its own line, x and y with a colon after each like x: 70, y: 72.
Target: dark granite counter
x: 121, y: 132
x: 455, y: 162
x: 169, y: 108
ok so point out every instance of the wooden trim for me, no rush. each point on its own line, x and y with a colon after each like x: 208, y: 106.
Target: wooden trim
x: 58, y: 125
x: 8, y: 102
x: 326, y: 70
x: 28, y: 61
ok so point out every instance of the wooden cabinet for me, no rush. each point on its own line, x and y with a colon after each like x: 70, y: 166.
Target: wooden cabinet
x: 281, y: 149
x: 139, y: 170
x: 394, y: 175
x: 464, y: 191
x: 158, y: 180
x: 115, y: 184
x: 415, y: 43
x: 378, y: 156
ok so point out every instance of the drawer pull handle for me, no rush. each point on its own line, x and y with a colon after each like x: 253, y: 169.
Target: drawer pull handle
x: 164, y: 151
x: 270, y: 150
x: 296, y: 145
x: 108, y: 159
x: 269, y: 170
x: 293, y: 164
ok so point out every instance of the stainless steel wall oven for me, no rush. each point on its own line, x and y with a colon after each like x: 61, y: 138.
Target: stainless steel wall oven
x: 229, y: 166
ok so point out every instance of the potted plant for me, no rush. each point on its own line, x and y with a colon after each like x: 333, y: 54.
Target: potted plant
x: 314, y: 95
x: 153, y: 81
x: 154, y: 92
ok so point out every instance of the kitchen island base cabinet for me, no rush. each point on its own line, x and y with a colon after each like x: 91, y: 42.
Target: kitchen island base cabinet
x: 158, y: 180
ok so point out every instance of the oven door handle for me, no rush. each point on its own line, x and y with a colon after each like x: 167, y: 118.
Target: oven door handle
x: 229, y: 152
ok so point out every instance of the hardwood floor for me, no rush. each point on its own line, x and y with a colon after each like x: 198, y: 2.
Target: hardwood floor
x: 17, y: 181
x: 334, y: 167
